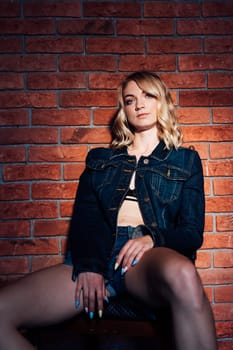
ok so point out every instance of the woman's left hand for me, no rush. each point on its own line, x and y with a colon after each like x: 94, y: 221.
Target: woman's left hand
x: 132, y: 251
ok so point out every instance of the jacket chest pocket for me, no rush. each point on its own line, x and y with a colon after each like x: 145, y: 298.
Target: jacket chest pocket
x: 167, y: 185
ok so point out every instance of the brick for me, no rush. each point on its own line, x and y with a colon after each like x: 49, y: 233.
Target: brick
x: 88, y: 98
x: 28, y: 135
x: 51, y: 227
x: 219, y: 204
x: 218, y: 241
x: 217, y: 9
x: 11, y: 82
x: 223, y: 259
x: 216, y: 276
x: 39, y: 263
x: 29, y: 246
x: 222, y: 115
x: 13, y: 192
x: 61, y: 190
x: 10, y: 8
x: 66, y: 208
x: 220, y: 168
x: 141, y: 27
x: 223, y: 186
x: 174, y: 45
x: 63, y: 117
x: 31, y: 172
x: 207, y: 133
x: 223, y: 312
x: 196, y: 115
x: 224, y: 223
x: 13, y: 265
x: 53, y: 44
x: 27, y: 26
x: 103, y: 116
x: 224, y: 330
x: 221, y: 45
x: 57, y: 154
x: 105, y: 80
x: 205, y: 98
x: 28, y: 210
x: 207, y: 186
x: 205, y: 27
x: 21, y: 63
x: 114, y: 45
x: 15, y: 228
x: 203, y: 259
x: 184, y: 80
x: 10, y: 45
x: 12, y: 154
x: 56, y: 81
x: 111, y: 9
x: 27, y: 99
x: 44, y: 8
x: 225, y: 345
x: 223, y: 151
x: 86, y: 135
x: 86, y: 26
x: 220, y: 80
x: 223, y: 294
x: 208, y: 223
x: 74, y: 63
x: 149, y: 62
x: 14, y: 117
x: 205, y: 62
x: 171, y: 9
x: 73, y: 171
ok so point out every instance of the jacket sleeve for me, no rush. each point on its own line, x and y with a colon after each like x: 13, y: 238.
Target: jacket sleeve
x: 89, y: 240
x: 186, y: 236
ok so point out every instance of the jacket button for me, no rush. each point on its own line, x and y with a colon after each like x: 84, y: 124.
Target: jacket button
x: 146, y: 161
x: 153, y: 224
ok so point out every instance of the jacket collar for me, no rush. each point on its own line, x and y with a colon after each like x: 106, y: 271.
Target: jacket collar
x: 160, y: 152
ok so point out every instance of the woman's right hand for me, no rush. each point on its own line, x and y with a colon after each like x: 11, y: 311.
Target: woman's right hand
x: 91, y: 289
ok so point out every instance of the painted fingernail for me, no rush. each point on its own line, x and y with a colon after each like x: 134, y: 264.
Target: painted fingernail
x: 100, y: 312
x: 116, y: 266
x: 134, y: 262
x: 123, y: 270
x: 76, y: 303
x: 86, y: 309
x: 91, y: 315
x: 106, y: 299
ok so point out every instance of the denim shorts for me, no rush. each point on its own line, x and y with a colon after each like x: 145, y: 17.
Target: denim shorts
x: 115, y: 282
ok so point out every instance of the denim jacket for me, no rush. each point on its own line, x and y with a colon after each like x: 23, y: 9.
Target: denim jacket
x: 169, y: 187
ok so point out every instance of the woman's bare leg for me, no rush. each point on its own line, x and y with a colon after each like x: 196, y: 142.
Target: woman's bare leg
x: 164, y: 277
x: 44, y: 297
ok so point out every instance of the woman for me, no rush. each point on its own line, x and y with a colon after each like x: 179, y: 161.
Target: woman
x: 137, y: 223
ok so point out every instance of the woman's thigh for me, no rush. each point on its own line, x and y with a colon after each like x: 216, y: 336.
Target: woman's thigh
x: 160, y: 276
x: 43, y: 297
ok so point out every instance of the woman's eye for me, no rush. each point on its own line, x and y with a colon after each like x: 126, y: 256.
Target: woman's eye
x: 128, y: 102
x: 147, y: 95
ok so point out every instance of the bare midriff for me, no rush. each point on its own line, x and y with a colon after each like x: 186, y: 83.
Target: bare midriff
x: 129, y: 214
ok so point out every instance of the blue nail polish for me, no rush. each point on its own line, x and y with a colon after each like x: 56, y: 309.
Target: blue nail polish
x: 134, y: 262
x: 123, y: 270
x: 106, y: 299
x: 91, y: 315
x: 76, y: 303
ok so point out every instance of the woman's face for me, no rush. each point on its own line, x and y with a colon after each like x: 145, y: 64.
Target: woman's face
x: 139, y: 107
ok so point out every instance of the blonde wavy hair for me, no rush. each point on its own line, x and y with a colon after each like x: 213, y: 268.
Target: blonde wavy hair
x: 167, y: 124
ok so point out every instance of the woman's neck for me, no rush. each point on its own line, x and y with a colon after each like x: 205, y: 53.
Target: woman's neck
x: 143, y: 145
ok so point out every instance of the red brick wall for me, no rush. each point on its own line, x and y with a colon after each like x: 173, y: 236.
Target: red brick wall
x: 60, y: 64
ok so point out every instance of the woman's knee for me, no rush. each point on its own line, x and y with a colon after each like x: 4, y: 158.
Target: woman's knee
x: 184, y: 283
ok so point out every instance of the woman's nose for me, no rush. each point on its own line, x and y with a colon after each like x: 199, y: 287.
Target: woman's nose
x: 139, y: 105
